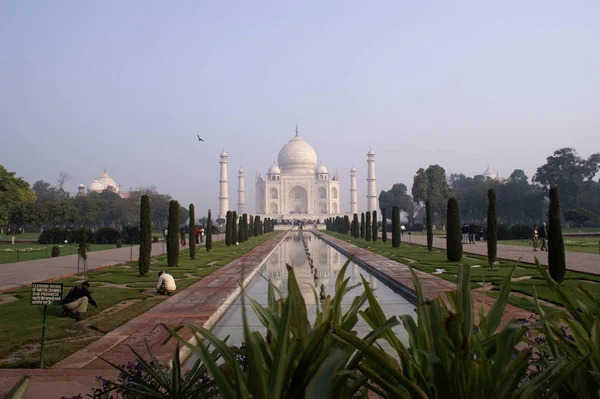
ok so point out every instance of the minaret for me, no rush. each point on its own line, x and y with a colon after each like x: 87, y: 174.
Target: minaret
x: 371, y: 189
x: 353, y: 193
x: 224, y: 196
x: 241, y: 196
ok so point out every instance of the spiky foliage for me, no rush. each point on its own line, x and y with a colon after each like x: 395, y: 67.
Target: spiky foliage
x: 396, y: 227
x: 383, y: 226
x: 192, y: 236
x: 492, y: 228
x: 208, y: 232
x: 368, y: 229
x: 362, y: 225
x: 429, y: 222
x: 374, y: 233
x: 454, y: 247
x: 173, y: 234
x: 556, y: 246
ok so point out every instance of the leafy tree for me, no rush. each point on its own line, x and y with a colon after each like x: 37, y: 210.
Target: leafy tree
x: 209, y: 232
x: 228, y: 228
x: 145, y: 236
x: 557, y: 263
x: 362, y: 225
x: 173, y: 234
x: 192, y: 236
x: 567, y: 170
x: 579, y: 216
x: 396, y: 227
x: 234, y: 228
x: 368, y: 228
x: 453, y: 233
x: 14, y: 192
x: 492, y: 228
x: 374, y: 225
x: 431, y: 185
x: 429, y: 223
x: 398, y: 196
x: 383, y: 225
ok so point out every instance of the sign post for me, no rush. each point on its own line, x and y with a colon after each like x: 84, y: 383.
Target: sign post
x: 45, y: 294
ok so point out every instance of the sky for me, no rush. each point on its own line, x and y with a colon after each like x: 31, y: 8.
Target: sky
x: 127, y: 86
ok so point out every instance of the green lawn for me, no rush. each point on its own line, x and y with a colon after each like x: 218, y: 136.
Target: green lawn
x: 20, y: 323
x: 589, y: 245
x: 21, y: 251
x: 480, y: 271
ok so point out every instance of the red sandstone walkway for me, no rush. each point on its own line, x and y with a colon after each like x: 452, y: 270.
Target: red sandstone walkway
x: 432, y: 286
x: 576, y: 261
x: 18, y: 274
x: 201, y: 303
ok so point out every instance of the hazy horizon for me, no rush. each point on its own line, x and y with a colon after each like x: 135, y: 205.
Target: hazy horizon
x: 126, y: 87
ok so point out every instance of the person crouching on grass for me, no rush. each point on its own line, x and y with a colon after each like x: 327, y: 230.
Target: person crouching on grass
x: 77, y: 300
x: 166, y: 284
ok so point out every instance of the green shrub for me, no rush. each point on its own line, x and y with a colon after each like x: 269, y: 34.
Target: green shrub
x: 145, y: 236
x: 383, y: 225
x: 55, y: 251
x: 396, y: 233
x: 228, y: 227
x: 131, y: 234
x: 119, y: 243
x: 192, y: 236
x: 429, y: 222
x: 106, y: 235
x: 368, y: 227
x: 492, y: 232
x: 356, y: 228
x: 173, y: 234
x: 208, y: 233
x: 234, y: 228
x: 556, y: 245
x: 454, y: 249
x: 362, y: 225
x: 374, y: 234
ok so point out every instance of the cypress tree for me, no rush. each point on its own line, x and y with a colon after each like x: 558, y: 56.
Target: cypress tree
x: 492, y: 229
x: 346, y: 224
x: 256, y: 226
x: 383, y: 226
x: 395, y: 227
x: 362, y: 225
x: 245, y: 219
x: 228, y: 227
x: 374, y: 226
x: 173, y: 234
x: 453, y: 232
x: 145, y: 236
x: 556, y: 247
x: 208, y: 232
x: 240, y: 237
x: 234, y: 228
x: 429, y: 225
x: 368, y: 228
x: 192, y: 235
x: 355, y: 233
x: 251, y: 227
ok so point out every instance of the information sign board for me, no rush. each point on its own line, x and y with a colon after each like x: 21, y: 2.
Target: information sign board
x: 46, y: 294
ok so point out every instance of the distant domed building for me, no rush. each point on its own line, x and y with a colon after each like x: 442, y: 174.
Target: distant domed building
x: 104, y: 182
x: 491, y: 175
x: 296, y: 185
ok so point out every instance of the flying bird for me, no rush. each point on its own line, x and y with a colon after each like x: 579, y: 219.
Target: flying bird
x: 199, y: 138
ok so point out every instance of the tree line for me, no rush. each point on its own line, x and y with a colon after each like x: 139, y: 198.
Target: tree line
x: 520, y: 200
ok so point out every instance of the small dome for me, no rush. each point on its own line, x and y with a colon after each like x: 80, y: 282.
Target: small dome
x: 95, y: 187
x: 353, y: 170
x: 81, y: 186
x: 108, y: 181
x: 489, y: 174
x: 241, y: 171
x: 274, y: 170
x: 297, y: 156
x: 370, y: 152
x: 321, y: 169
x: 223, y: 154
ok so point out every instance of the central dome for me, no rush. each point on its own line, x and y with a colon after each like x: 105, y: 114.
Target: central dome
x: 297, y: 156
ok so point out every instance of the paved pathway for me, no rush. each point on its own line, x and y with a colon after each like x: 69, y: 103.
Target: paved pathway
x: 202, y: 303
x: 433, y: 286
x: 576, y: 261
x: 14, y: 275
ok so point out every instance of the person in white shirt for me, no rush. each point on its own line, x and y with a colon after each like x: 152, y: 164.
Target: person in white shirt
x: 166, y: 284
x: 402, y: 230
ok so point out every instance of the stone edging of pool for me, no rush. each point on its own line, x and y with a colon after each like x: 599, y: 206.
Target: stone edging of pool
x: 399, y: 288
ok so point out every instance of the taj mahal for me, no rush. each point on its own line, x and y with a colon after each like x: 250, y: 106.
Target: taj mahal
x: 296, y: 187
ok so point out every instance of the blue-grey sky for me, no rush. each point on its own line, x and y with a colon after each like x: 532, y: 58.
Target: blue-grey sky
x: 126, y: 86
